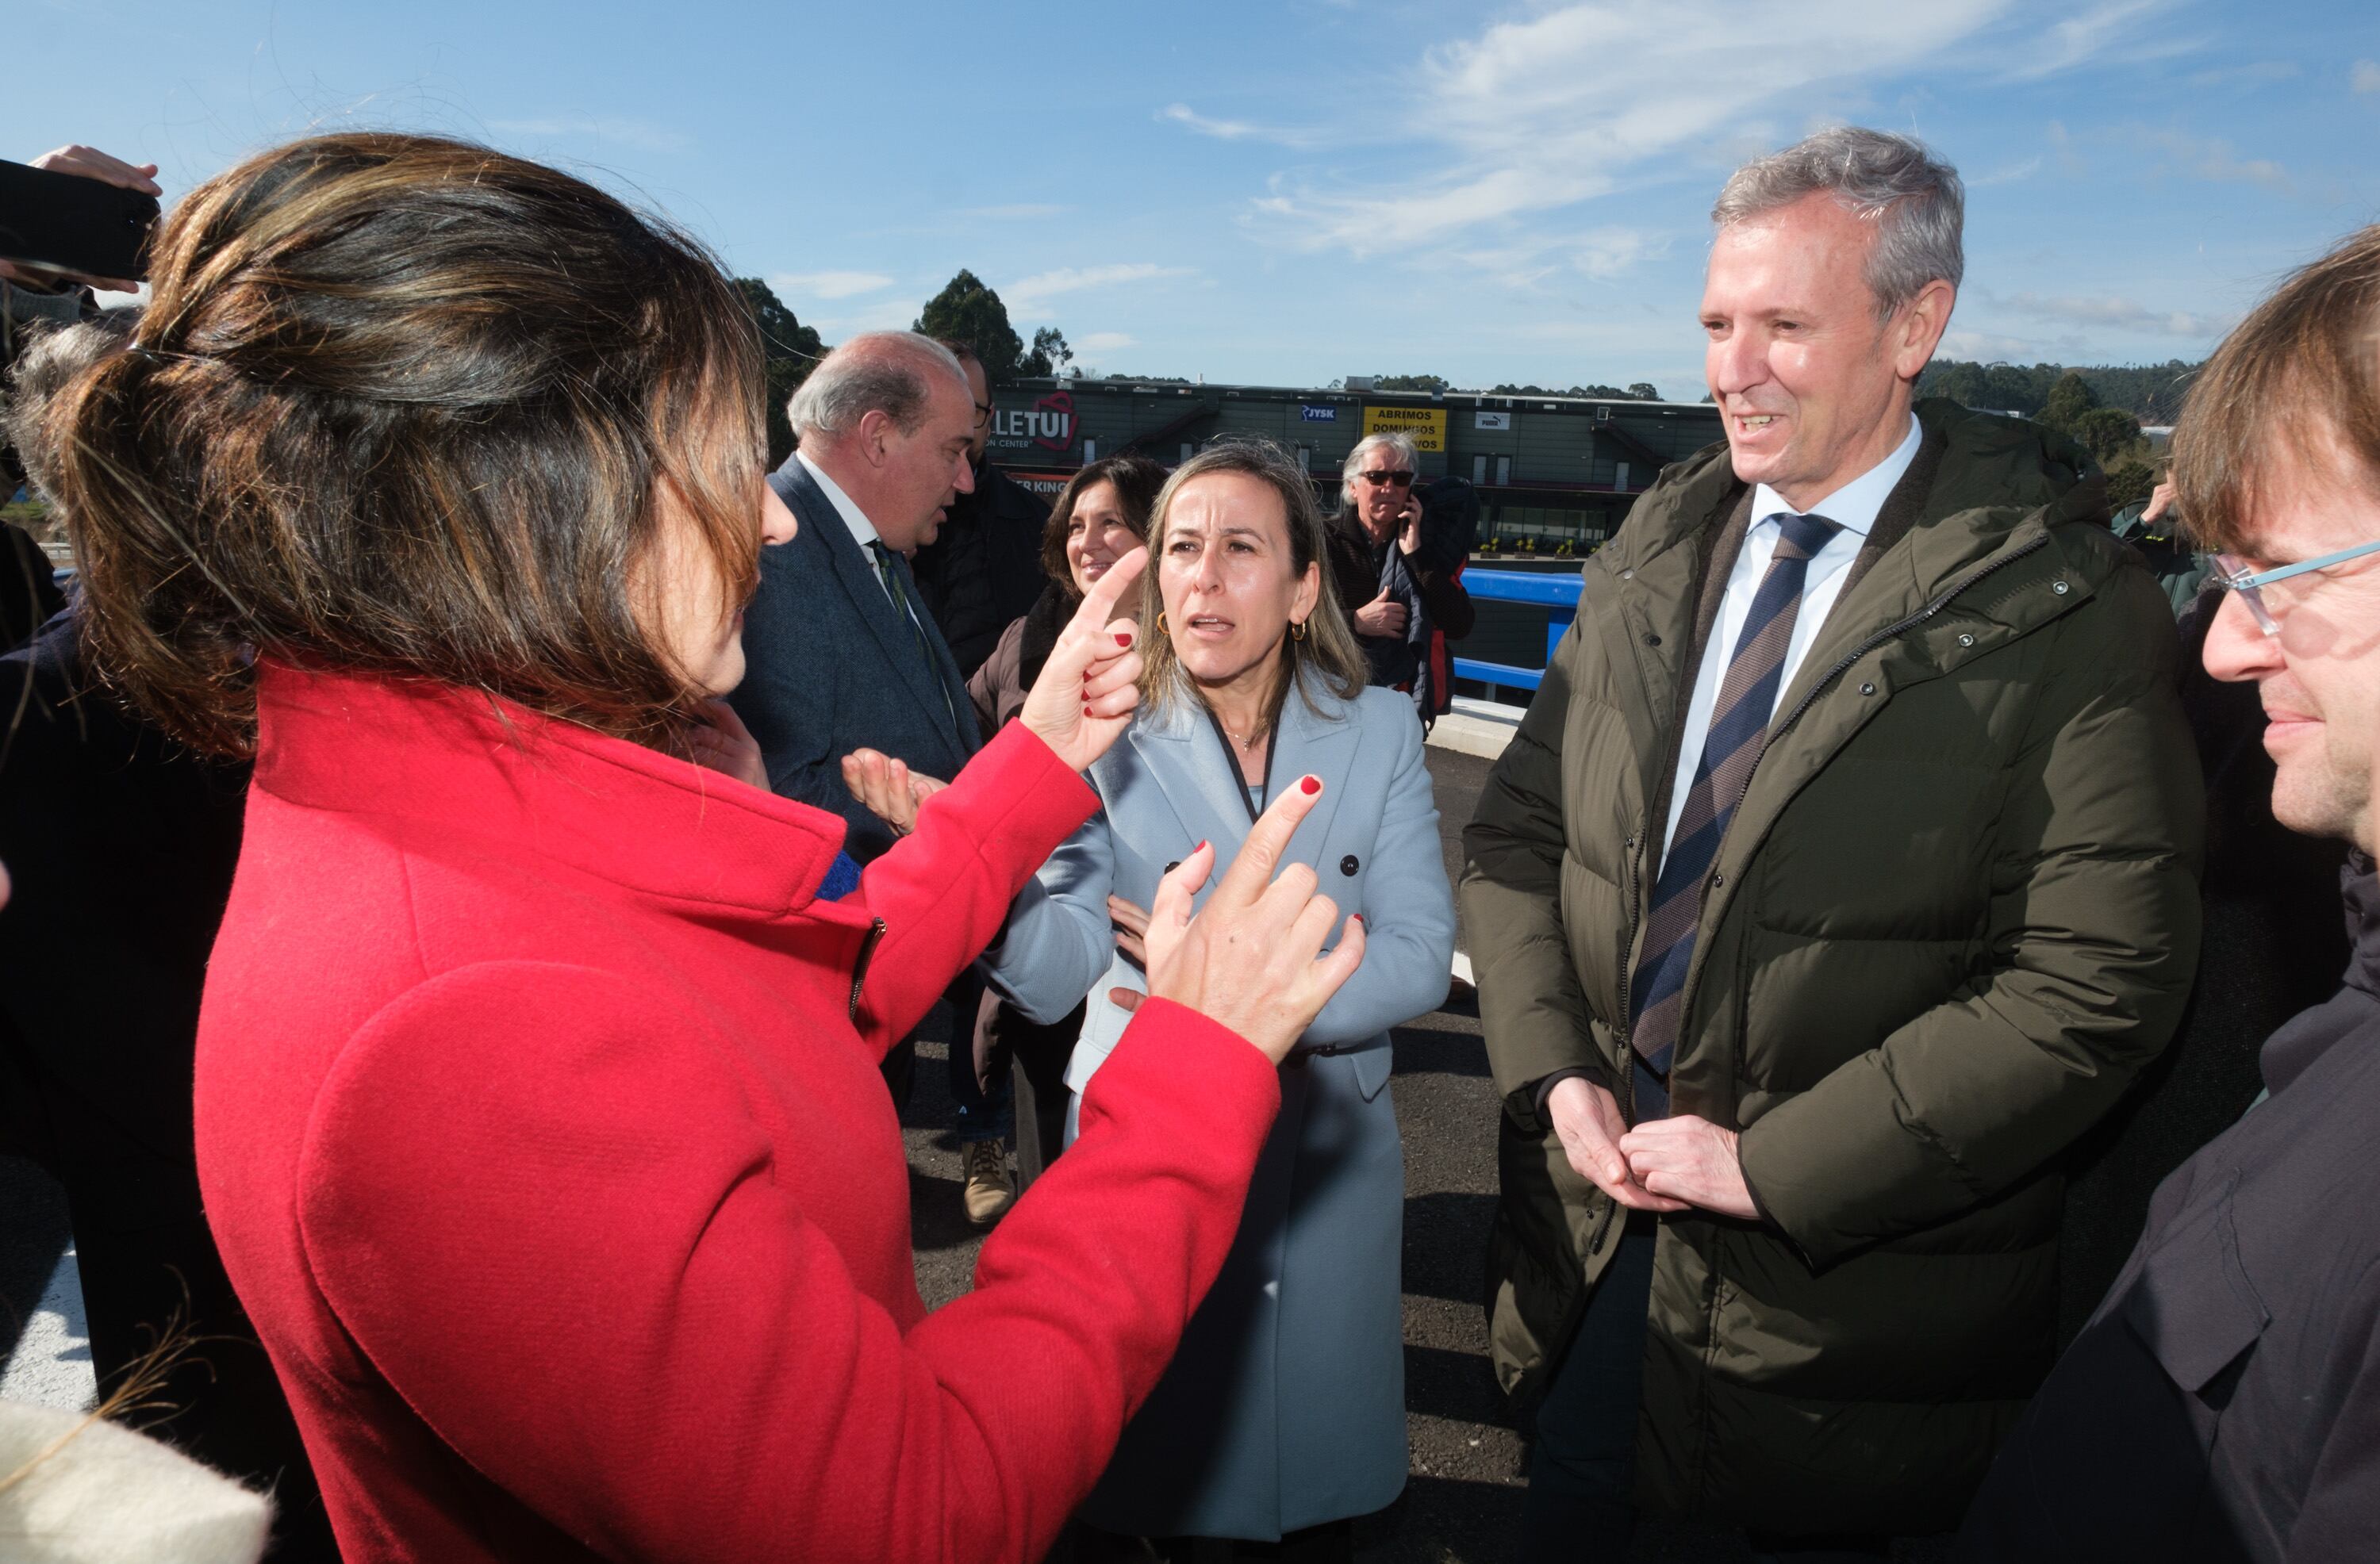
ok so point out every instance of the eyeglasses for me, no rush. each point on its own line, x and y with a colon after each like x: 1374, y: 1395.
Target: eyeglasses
x: 983, y: 412
x: 2232, y: 573
x: 1388, y: 480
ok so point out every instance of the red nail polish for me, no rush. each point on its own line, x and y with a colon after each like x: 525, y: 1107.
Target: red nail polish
x: 1200, y: 848
x: 1123, y: 639
x: 1357, y: 918
x: 1087, y: 710
x: 1312, y: 784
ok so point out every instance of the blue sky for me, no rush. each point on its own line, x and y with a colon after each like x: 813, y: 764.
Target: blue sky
x: 1292, y: 191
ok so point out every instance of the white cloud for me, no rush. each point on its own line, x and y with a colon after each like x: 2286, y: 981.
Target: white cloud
x: 628, y: 132
x: 1987, y: 348
x: 1532, y: 117
x: 2009, y: 176
x: 2211, y: 158
x: 1107, y: 341
x: 2366, y: 76
x: 2126, y: 314
x: 1237, y: 130
x: 831, y: 284
x: 875, y: 315
x: 2069, y: 42
x: 2259, y: 72
x: 1028, y: 294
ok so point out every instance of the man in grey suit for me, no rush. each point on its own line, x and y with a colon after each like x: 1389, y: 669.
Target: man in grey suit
x: 842, y: 654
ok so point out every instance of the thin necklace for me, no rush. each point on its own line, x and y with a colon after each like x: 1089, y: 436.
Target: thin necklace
x: 1249, y: 742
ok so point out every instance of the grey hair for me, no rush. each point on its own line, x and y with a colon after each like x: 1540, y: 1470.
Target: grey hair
x: 1402, y: 444
x: 1914, y: 199
x: 874, y: 373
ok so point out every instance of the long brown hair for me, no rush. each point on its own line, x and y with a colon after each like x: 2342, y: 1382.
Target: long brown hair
x: 1326, y: 655
x: 1138, y: 481
x: 401, y: 405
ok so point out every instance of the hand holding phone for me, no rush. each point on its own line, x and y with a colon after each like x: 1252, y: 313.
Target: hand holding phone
x: 77, y: 215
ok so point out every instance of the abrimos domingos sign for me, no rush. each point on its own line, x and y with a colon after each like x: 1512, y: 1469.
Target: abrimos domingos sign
x: 1049, y: 423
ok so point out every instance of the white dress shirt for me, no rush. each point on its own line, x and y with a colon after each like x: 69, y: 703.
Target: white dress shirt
x: 1854, y: 508
x: 862, y: 531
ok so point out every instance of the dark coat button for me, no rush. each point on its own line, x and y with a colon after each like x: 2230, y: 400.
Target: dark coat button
x: 1171, y: 866
x: 1348, y: 864
x: 1651, y: 639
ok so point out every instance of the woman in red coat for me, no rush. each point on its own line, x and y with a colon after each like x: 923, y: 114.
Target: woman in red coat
x: 537, y: 1104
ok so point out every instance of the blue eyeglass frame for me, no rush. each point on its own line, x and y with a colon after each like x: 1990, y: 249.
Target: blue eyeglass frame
x: 2249, y: 584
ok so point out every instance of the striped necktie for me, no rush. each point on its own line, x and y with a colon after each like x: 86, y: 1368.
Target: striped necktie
x: 1739, y: 729
x: 892, y: 588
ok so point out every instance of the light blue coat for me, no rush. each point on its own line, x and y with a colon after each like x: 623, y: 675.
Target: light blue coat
x: 1284, y: 1407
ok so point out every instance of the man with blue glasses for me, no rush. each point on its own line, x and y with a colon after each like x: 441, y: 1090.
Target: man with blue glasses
x: 2225, y: 1400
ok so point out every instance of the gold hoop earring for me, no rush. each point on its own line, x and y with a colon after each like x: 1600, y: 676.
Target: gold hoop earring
x: 1161, y: 623
x: 1297, y: 630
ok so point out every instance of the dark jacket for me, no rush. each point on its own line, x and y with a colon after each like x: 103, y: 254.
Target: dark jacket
x: 1427, y: 582
x: 1956, y: 911
x: 2224, y: 1401
x: 985, y: 567
x: 2272, y: 947
x: 122, y: 846
x: 830, y: 667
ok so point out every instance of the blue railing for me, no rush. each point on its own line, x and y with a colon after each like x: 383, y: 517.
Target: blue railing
x: 1557, y: 594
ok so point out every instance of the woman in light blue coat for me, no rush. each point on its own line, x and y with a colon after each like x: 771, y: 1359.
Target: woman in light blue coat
x: 1285, y: 1408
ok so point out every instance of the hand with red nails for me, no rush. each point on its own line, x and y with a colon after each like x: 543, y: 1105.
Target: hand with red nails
x: 1250, y: 959
x: 1090, y: 687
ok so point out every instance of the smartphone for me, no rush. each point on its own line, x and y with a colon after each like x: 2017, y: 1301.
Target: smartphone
x: 70, y: 224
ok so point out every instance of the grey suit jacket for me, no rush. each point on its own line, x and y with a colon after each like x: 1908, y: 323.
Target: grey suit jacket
x: 831, y: 668
x: 1167, y: 787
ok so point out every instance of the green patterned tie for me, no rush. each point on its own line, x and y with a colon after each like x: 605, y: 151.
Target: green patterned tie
x: 884, y: 566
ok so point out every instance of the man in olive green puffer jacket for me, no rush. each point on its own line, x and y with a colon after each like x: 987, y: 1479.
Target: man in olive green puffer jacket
x: 1786, y: 1088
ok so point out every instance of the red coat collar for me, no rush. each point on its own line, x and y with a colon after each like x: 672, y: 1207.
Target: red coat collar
x: 486, y: 769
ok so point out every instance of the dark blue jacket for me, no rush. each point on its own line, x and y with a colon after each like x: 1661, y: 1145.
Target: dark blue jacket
x: 831, y: 668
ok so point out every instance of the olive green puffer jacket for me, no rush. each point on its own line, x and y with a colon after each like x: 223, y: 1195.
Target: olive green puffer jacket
x: 1955, y: 913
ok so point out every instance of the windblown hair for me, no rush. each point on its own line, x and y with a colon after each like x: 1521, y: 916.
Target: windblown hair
x: 1396, y: 441
x: 873, y: 372
x: 1328, y: 655
x: 1916, y: 201
x: 2301, y: 371
x: 404, y: 406
x: 1138, y: 481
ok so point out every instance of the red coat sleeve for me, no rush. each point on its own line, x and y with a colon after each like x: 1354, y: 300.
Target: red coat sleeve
x: 1009, y: 809
x: 543, y: 1210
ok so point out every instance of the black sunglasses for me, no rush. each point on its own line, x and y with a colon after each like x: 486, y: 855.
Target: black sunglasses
x: 1399, y: 480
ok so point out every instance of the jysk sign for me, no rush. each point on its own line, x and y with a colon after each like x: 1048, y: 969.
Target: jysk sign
x: 1049, y: 423
x: 1426, y: 425
x: 1313, y: 415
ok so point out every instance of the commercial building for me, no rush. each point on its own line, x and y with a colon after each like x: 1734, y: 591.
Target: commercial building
x: 1550, y: 470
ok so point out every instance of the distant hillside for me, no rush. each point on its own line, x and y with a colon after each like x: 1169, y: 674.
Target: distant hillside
x: 2151, y: 393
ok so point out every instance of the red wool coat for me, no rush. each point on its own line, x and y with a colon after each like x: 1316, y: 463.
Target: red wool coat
x: 539, y: 1120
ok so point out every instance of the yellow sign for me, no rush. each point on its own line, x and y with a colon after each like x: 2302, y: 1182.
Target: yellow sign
x: 1426, y: 425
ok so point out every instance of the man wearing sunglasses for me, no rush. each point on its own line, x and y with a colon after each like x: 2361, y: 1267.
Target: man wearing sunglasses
x: 1402, y: 587
x: 2225, y: 1400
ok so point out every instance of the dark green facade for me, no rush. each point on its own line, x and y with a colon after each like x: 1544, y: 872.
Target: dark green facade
x: 1549, y: 469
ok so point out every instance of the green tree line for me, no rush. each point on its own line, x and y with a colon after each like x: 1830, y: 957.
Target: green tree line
x: 2151, y: 393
